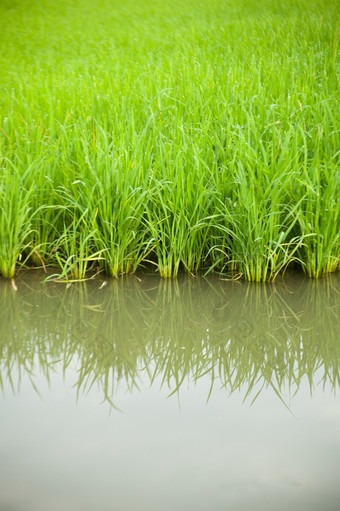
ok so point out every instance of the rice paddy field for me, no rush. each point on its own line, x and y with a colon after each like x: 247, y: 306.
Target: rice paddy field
x: 189, y: 135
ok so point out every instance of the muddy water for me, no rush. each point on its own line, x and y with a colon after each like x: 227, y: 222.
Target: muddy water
x: 144, y: 394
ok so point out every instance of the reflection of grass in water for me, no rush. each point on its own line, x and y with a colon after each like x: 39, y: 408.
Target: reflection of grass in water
x: 244, y: 337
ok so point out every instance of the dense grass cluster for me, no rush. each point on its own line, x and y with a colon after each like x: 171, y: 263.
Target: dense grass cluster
x: 190, y: 134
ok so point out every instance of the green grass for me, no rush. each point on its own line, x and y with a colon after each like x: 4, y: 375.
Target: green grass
x: 194, y: 135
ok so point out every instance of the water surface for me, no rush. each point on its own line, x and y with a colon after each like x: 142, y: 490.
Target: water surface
x: 147, y: 394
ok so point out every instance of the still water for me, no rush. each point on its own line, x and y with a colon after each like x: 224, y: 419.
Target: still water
x: 145, y: 394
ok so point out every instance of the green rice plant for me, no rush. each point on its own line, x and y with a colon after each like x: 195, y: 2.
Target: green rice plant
x: 168, y: 226
x: 319, y: 219
x: 118, y: 203
x: 48, y: 219
x: 181, y: 204
x: 178, y: 227
x: 121, y: 236
x: 257, y: 231
x: 15, y: 220
x: 201, y: 153
x: 74, y: 249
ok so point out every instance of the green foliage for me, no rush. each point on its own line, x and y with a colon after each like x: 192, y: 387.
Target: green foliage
x: 15, y: 220
x: 201, y: 135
